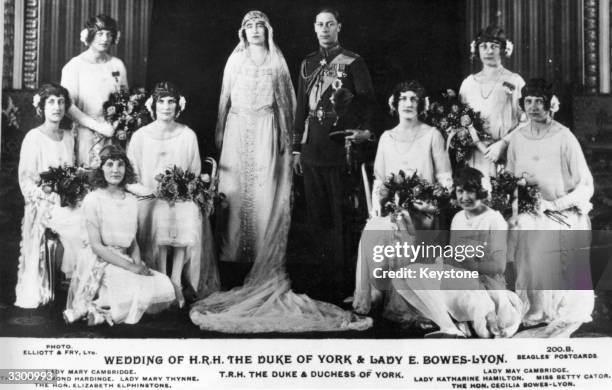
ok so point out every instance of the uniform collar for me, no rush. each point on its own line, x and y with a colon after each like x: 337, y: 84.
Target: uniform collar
x: 331, y: 51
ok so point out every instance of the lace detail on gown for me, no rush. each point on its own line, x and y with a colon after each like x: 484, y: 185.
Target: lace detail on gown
x: 265, y: 303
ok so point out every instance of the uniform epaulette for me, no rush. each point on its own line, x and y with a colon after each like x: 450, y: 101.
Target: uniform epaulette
x: 314, y: 53
x: 350, y: 53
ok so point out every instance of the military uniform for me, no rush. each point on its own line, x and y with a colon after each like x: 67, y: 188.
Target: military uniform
x: 322, y: 73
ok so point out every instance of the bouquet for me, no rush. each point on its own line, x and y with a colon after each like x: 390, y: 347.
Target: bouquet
x: 455, y: 120
x: 127, y: 113
x: 176, y: 184
x: 506, y: 188
x: 400, y: 191
x: 70, y: 183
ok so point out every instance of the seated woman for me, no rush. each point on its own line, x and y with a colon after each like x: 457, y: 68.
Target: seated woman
x: 477, y: 224
x: 410, y: 146
x: 46, y: 146
x: 153, y: 149
x: 452, y: 303
x: 552, y: 254
x: 112, y: 283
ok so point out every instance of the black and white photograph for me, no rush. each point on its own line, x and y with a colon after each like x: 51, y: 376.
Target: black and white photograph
x: 285, y: 194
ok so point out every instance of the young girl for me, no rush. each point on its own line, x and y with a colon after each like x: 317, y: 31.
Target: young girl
x: 112, y: 283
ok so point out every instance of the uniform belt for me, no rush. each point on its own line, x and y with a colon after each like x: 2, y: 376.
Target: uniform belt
x: 320, y: 114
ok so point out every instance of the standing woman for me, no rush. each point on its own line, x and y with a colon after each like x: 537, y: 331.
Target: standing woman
x: 44, y: 147
x: 494, y: 92
x: 256, y: 111
x: 160, y: 145
x: 90, y: 78
x: 552, y: 253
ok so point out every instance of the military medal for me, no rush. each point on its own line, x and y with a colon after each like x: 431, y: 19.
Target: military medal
x: 320, y: 114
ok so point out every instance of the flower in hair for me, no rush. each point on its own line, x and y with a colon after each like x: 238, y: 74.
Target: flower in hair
x: 509, y: 48
x: 485, y: 183
x: 426, y: 100
x: 473, y: 47
x: 83, y: 36
x: 554, y: 104
x: 117, y: 37
x: 149, y: 106
x: 36, y: 100
x: 508, y: 87
x: 391, y: 104
x: 182, y: 103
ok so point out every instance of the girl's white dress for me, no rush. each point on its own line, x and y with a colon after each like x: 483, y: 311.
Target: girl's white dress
x: 103, y: 289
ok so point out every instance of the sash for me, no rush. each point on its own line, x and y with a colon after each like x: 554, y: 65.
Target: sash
x: 326, y: 75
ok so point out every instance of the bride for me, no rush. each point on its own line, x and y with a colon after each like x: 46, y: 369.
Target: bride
x: 257, y: 107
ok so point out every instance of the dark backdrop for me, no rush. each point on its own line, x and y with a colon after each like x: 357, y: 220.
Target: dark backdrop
x: 191, y: 40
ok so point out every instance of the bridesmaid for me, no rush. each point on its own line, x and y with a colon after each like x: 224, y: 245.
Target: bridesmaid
x: 90, y: 78
x: 552, y: 254
x: 160, y: 145
x: 494, y: 92
x: 112, y: 282
x: 410, y: 146
x: 44, y: 147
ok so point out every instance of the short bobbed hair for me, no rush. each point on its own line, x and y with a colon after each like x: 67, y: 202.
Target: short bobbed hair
x: 413, y: 86
x: 537, y: 88
x: 113, y: 152
x: 470, y: 179
x: 494, y: 34
x: 101, y: 22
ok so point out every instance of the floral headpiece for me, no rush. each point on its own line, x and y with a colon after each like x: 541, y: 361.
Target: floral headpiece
x: 554, y: 104
x: 85, y: 33
x: 182, y: 104
x: 391, y: 103
x: 36, y: 100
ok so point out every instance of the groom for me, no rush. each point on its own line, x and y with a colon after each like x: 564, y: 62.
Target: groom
x: 329, y: 72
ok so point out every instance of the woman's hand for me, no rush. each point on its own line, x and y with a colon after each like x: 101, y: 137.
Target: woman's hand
x: 140, y: 269
x: 495, y: 151
x: 424, y: 207
x: 546, y: 205
x: 104, y: 128
x: 139, y: 190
